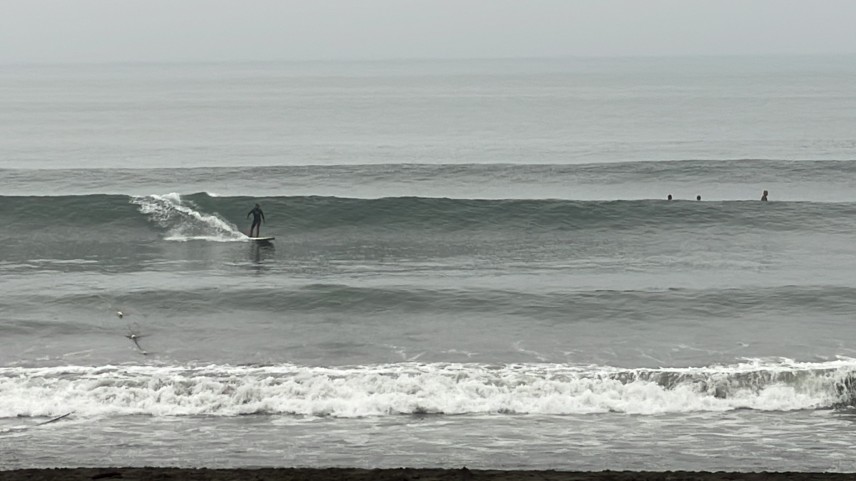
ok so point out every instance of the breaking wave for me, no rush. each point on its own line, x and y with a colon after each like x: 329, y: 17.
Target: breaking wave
x: 182, y: 221
x: 410, y: 388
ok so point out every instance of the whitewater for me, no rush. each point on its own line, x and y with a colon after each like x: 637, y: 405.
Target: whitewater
x: 411, y: 388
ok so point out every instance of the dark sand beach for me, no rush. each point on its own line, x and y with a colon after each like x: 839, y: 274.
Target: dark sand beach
x: 330, y: 474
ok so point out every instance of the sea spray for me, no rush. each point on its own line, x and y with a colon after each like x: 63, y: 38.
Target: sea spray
x: 183, y: 221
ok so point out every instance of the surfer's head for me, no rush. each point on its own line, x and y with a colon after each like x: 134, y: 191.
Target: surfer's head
x: 698, y: 197
x: 257, y: 206
x: 669, y: 197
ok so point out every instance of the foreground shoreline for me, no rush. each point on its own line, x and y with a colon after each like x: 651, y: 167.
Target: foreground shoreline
x: 400, y: 474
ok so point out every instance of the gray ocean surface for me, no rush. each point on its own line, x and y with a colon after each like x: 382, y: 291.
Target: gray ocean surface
x: 475, y: 264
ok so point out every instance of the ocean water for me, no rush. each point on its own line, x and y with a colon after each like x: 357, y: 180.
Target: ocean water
x: 475, y: 264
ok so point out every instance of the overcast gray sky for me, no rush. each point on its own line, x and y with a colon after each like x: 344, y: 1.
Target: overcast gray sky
x: 215, y: 30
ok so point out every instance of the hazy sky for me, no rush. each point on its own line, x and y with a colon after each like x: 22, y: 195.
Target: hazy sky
x: 213, y: 30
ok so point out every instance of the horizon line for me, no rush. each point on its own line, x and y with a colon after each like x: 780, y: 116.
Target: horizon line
x: 389, y: 60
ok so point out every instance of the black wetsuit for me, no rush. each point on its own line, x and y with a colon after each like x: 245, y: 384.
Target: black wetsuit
x: 258, y: 217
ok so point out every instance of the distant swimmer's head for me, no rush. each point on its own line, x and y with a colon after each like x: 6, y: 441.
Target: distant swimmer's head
x: 764, y: 196
x: 698, y: 197
x: 670, y: 197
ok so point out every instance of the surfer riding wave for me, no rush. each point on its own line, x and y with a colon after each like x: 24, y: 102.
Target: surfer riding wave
x: 258, y: 218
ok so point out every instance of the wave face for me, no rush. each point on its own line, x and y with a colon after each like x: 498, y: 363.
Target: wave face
x: 408, y: 388
x: 205, y: 217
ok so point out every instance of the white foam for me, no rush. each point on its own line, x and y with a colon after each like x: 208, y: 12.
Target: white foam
x: 183, y: 222
x: 417, y: 388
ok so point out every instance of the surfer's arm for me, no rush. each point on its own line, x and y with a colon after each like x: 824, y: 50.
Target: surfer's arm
x: 263, y: 216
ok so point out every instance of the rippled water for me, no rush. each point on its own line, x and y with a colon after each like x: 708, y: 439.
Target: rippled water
x: 474, y: 264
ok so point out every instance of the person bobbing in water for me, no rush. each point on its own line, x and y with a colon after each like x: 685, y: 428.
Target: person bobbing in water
x: 258, y: 218
x: 764, y: 196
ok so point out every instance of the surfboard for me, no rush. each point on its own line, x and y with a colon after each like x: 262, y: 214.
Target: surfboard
x: 262, y: 239
x: 55, y: 419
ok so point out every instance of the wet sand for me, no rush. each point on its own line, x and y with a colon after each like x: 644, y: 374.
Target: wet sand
x: 404, y: 474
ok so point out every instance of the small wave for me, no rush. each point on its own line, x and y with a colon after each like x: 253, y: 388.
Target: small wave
x: 614, y: 304
x: 805, y: 179
x: 412, y: 388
